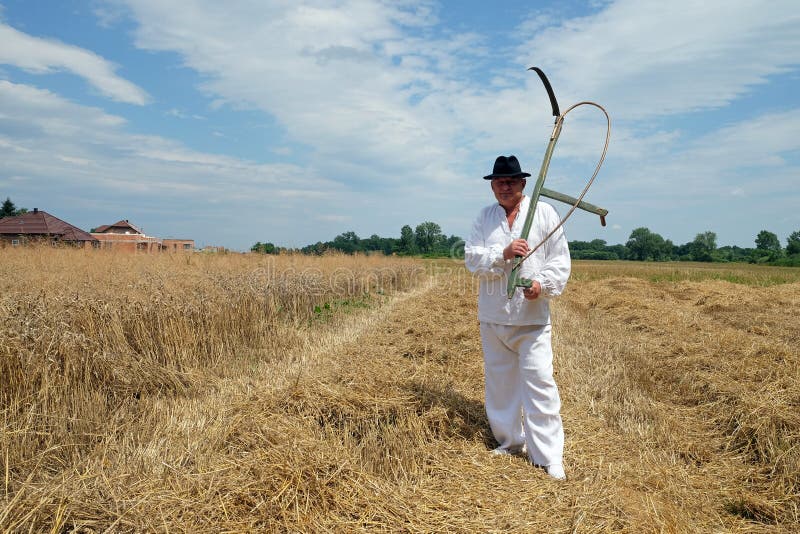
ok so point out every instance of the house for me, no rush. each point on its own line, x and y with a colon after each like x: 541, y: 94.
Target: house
x: 120, y: 227
x: 176, y: 245
x: 125, y: 236
x: 211, y: 249
x: 38, y: 226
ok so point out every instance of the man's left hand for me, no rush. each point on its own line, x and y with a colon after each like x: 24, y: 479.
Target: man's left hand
x: 533, y: 292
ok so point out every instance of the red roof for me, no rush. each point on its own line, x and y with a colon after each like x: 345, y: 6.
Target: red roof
x: 120, y: 226
x: 38, y: 222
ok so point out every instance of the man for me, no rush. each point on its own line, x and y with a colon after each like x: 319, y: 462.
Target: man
x: 522, y: 401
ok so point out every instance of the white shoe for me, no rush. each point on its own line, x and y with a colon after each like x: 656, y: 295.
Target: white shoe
x: 556, y: 471
x: 516, y: 451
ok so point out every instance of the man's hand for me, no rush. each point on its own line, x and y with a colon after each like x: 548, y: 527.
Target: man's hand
x: 518, y: 247
x: 533, y: 292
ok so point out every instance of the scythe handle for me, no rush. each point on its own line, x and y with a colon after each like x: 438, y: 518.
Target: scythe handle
x: 514, y: 278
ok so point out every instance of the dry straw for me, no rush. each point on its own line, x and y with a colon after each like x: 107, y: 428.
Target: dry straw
x: 177, y: 394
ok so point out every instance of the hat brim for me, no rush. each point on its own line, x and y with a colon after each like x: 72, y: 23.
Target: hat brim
x: 515, y: 175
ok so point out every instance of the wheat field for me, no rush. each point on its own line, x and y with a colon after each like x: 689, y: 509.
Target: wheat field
x: 243, y: 393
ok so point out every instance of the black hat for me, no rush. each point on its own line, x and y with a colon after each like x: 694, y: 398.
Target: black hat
x: 506, y: 167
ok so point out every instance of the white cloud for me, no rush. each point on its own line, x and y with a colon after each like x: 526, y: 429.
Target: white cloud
x: 82, y: 152
x: 748, y: 155
x: 382, y: 108
x: 734, y: 180
x: 374, y: 94
x: 350, y: 79
x: 42, y: 56
x: 756, y: 143
x: 10, y: 145
x: 177, y: 113
x: 75, y: 161
x: 652, y: 58
x: 107, y: 15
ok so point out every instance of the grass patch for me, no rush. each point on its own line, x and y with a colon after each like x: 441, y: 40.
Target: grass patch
x: 744, y: 274
x: 325, y: 312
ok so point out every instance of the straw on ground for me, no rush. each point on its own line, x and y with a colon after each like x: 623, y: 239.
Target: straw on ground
x: 215, y: 394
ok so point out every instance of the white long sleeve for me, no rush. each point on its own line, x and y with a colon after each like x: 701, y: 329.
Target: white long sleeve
x: 550, y: 265
x: 480, y: 258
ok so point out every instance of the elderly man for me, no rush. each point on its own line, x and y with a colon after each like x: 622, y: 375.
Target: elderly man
x: 522, y: 401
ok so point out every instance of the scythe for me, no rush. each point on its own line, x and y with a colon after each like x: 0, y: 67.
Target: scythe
x: 514, y: 278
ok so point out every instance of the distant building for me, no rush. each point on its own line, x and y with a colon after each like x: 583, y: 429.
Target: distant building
x: 214, y: 249
x: 176, y: 245
x: 124, y: 236
x: 38, y: 226
x: 119, y: 227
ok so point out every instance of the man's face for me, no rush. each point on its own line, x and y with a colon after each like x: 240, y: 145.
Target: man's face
x: 508, y: 191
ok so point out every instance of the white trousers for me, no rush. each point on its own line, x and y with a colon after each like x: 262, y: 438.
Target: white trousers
x: 522, y: 401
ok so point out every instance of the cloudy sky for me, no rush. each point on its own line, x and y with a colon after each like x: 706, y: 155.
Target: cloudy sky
x: 293, y: 121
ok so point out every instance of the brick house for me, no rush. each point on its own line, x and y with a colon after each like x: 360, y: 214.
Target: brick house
x: 177, y: 245
x: 125, y: 236
x: 38, y: 226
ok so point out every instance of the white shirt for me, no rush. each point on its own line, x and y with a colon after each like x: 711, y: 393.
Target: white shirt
x: 549, y: 265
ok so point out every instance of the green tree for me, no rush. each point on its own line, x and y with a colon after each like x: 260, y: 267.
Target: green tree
x: 666, y: 251
x: 373, y: 242
x: 703, y: 246
x: 620, y: 251
x: 793, y: 243
x: 596, y: 249
x: 264, y: 248
x: 683, y: 252
x: 646, y: 245
x: 8, y: 208
x: 454, y: 247
x: 348, y: 242
x: 767, y: 241
x: 768, y: 247
x: 317, y: 248
x: 408, y: 243
x: 734, y: 253
x: 429, y: 237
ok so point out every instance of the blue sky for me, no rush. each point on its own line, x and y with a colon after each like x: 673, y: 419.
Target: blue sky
x: 293, y: 121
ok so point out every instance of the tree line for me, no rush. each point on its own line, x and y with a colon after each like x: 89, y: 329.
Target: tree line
x: 645, y: 245
x: 428, y: 240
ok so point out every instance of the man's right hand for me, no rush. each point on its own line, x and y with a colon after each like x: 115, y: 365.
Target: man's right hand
x: 518, y: 247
